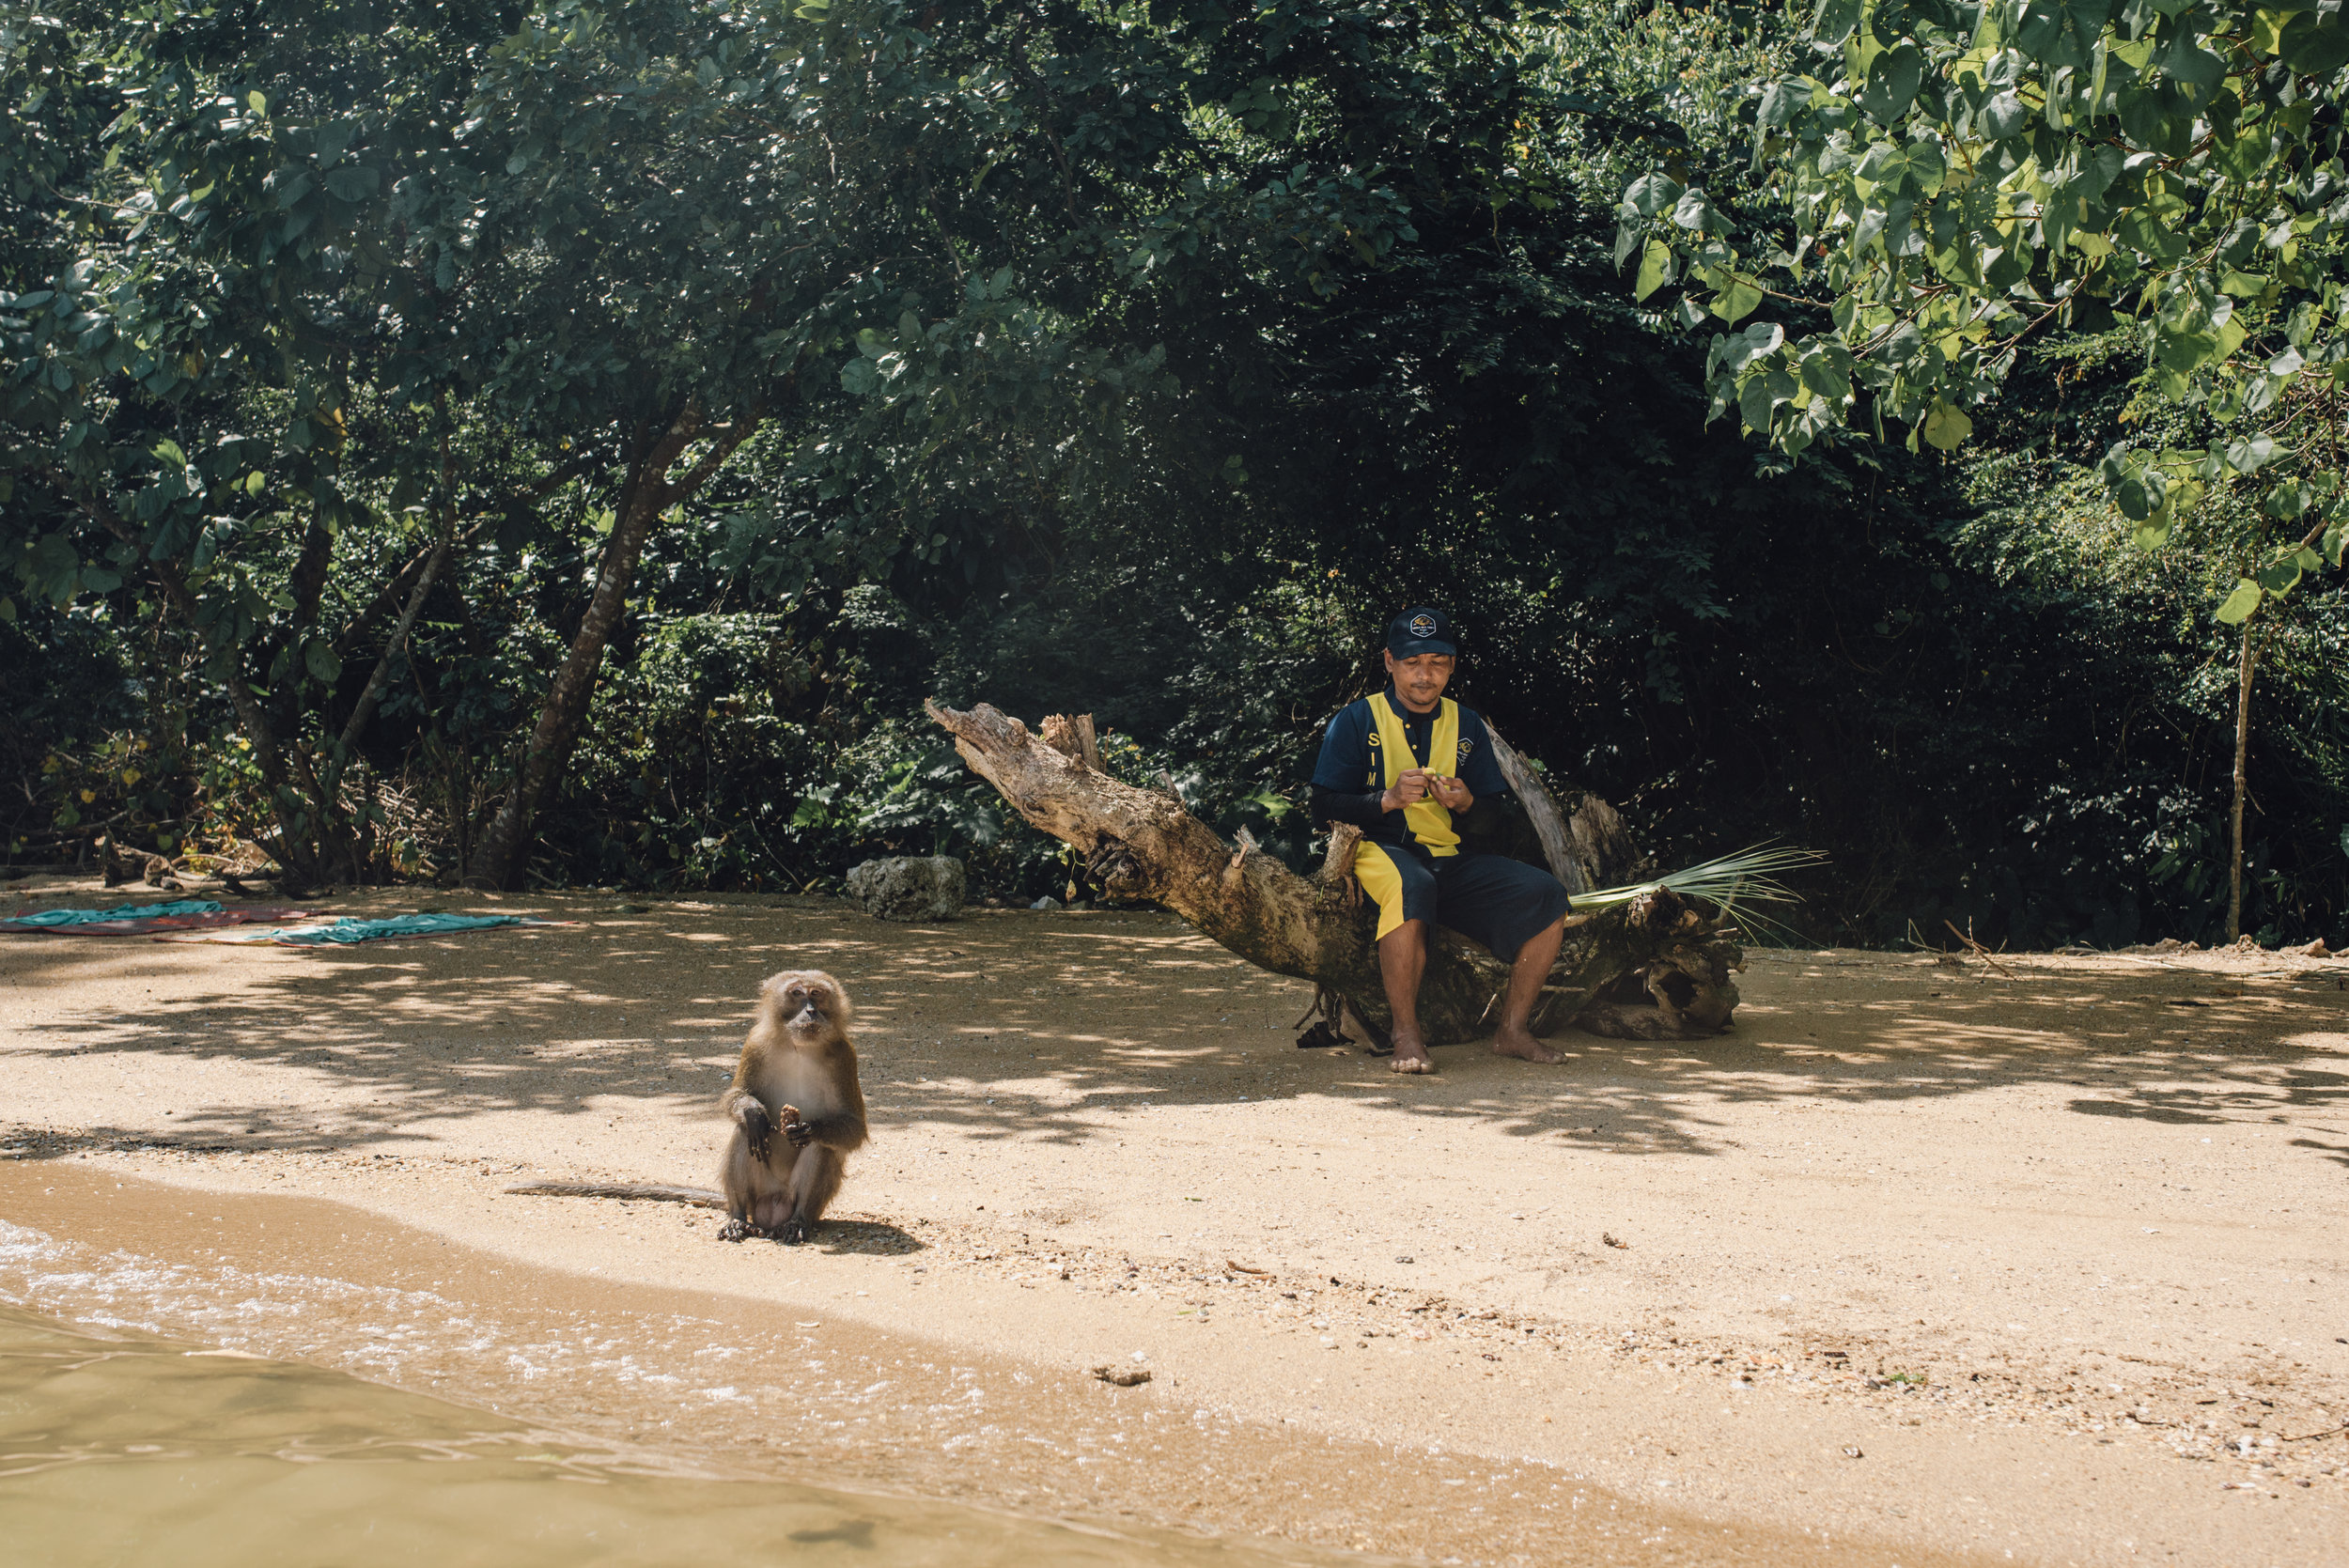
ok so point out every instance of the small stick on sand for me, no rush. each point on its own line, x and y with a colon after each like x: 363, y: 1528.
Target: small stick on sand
x: 1980, y: 951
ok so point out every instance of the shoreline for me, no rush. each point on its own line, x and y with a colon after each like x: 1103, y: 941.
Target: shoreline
x: 1880, y: 1215
x: 638, y: 1365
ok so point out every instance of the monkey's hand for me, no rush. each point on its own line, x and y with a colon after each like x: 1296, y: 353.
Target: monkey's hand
x: 801, y: 1134
x: 757, y: 1130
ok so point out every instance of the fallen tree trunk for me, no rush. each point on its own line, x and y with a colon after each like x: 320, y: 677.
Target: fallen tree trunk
x: 1651, y: 969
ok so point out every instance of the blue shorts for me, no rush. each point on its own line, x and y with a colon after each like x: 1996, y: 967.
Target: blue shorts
x: 1488, y: 898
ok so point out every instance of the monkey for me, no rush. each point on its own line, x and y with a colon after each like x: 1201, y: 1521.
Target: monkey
x: 796, y: 1076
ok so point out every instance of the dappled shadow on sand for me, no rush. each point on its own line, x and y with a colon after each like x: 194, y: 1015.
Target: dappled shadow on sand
x: 1060, y: 1028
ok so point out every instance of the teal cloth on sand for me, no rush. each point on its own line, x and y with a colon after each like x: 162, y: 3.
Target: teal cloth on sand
x: 350, y: 928
x: 128, y: 911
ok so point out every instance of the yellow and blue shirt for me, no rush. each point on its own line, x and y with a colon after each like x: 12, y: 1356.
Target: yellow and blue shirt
x: 1357, y: 765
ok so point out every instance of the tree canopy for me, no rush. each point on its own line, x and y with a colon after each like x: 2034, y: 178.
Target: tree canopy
x: 567, y: 441
x: 1950, y: 180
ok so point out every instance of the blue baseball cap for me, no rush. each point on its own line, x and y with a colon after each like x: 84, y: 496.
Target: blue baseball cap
x: 1419, y: 630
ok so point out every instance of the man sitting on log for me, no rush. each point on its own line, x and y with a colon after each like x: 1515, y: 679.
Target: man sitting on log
x: 1400, y: 764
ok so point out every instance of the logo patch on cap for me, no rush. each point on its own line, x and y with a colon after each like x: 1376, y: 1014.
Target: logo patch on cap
x: 1422, y: 626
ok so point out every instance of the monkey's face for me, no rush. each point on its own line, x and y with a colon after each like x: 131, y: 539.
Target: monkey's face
x: 810, y: 1004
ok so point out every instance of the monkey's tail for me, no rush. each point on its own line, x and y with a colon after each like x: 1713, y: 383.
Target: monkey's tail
x: 700, y: 1197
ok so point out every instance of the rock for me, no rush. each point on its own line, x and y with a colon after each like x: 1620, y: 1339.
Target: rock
x: 2167, y: 944
x: 909, y: 887
x: 1046, y: 903
x: 1124, y: 1378
x: 2315, y: 950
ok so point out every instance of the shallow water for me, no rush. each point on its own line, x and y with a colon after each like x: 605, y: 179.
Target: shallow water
x: 734, y: 1415
x: 123, y: 1448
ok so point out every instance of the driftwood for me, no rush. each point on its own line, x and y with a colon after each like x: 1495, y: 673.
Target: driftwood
x: 1585, y: 841
x: 1651, y: 969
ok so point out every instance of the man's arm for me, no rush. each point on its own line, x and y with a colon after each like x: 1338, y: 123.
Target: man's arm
x: 1479, y: 771
x: 1343, y: 772
x: 1339, y: 805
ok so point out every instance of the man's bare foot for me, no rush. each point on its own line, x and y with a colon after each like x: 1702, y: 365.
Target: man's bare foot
x: 1519, y: 1042
x: 1411, y: 1054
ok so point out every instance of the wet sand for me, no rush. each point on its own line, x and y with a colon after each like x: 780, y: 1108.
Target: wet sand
x: 1924, y: 1261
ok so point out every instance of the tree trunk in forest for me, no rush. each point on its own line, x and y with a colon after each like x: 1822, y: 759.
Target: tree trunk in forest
x: 2242, y: 783
x: 307, y: 584
x: 380, y: 675
x: 300, y: 865
x: 1653, y: 969
x: 503, y: 854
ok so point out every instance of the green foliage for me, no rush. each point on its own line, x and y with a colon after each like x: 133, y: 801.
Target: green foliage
x: 67, y: 688
x: 1967, y: 175
x: 1099, y: 361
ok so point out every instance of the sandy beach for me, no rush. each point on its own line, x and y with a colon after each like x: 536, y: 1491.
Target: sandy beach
x: 1918, y: 1263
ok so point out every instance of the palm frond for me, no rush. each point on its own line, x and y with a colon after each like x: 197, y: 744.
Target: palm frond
x: 1734, y: 882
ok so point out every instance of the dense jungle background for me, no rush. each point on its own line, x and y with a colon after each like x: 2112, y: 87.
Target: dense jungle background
x: 565, y: 444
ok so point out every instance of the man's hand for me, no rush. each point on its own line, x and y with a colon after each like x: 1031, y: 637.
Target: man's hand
x: 1410, y: 788
x: 1451, y: 793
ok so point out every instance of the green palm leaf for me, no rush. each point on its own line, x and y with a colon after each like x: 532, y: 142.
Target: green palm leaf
x: 1733, y: 883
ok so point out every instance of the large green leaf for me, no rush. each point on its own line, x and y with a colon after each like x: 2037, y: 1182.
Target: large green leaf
x: 1891, y: 85
x: 2253, y: 453
x: 2139, y: 491
x: 1738, y: 301
x: 1656, y: 269
x: 1832, y: 20
x: 2316, y: 44
x: 2280, y: 578
x: 2004, y: 117
x: 1825, y: 375
x: 2148, y: 235
x: 1947, y: 425
x: 353, y: 182
x: 1651, y: 194
x: 2192, y: 67
x: 1779, y: 101
x: 2060, y: 33
x: 2238, y: 605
